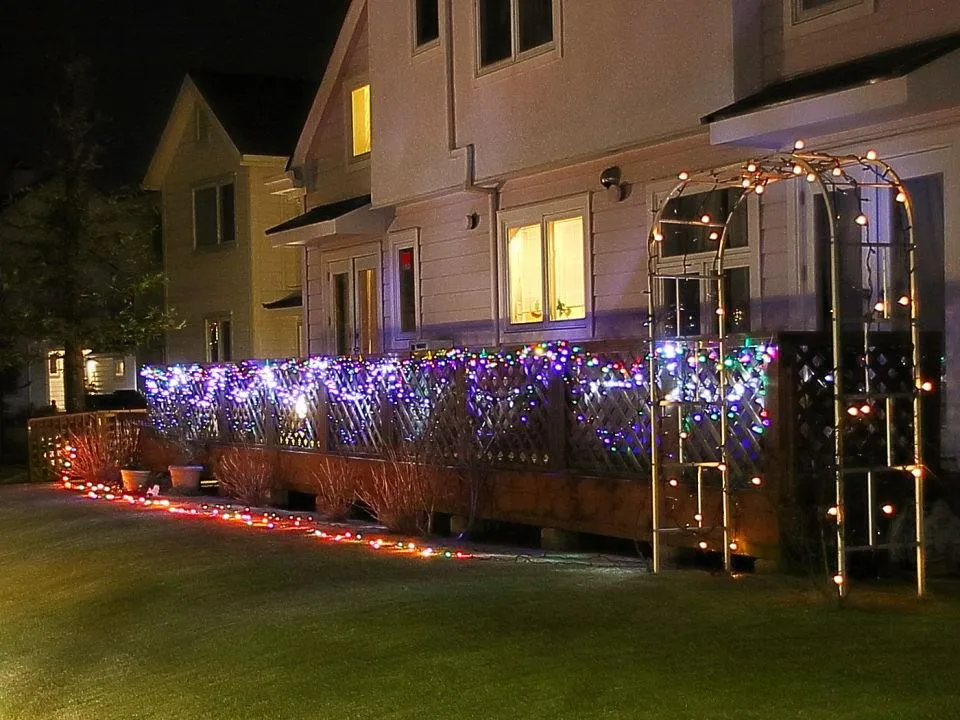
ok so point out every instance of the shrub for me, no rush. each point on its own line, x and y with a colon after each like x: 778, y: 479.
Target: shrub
x: 245, y: 474
x: 97, y: 453
x: 403, y: 494
x: 335, y: 485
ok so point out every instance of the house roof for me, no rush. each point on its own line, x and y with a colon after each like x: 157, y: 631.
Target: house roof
x: 321, y: 213
x: 294, y: 299
x: 330, y: 76
x: 885, y: 65
x: 262, y: 115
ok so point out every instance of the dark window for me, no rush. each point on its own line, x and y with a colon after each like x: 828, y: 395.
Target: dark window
x: 853, y: 301
x: 535, y: 23
x: 807, y: 5
x: 736, y: 292
x: 926, y: 194
x: 684, y: 232
x: 495, y: 42
x: 681, y: 303
x: 205, y: 216
x: 340, y: 299
x: 407, y: 290
x: 428, y: 21
x: 227, y: 214
x: 218, y: 340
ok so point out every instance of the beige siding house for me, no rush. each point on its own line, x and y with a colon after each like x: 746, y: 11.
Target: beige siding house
x: 226, y: 138
x: 474, y: 172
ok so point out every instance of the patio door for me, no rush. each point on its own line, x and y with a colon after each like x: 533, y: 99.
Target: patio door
x: 353, y: 302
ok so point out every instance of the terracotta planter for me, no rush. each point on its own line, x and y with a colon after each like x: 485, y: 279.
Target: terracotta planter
x: 186, y: 477
x: 133, y: 480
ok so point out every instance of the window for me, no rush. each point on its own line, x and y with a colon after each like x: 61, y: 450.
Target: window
x: 218, y: 339
x: 802, y: 16
x: 545, y: 264
x: 360, y: 120
x: 214, y: 215
x: 55, y: 364
x: 688, y: 305
x: 427, y: 22
x: 120, y: 367
x: 509, y: 29
x: 406, y: 284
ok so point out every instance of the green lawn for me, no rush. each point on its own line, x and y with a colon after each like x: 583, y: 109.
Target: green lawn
x: 107, y: 612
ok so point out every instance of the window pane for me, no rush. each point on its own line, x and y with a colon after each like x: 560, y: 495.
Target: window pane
x: 360, y: 113
x: 681, y: 307
x: 494, y: 31
x: 213, y: 341
x: 565, y: 255
x: 226, y: 341
x: 205, y: 216
x: 406, y: 290
x: 341, y: 336
x: 368, y: 325
x: 525, y: 270
x: 536, y: 23
x: 736, y: 290
x: 227, y: 214
x: 428, y: 21
x: 814, y: 4
x: 680, y: 238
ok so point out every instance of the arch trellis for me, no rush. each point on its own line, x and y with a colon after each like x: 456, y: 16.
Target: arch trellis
x: 871, y: 275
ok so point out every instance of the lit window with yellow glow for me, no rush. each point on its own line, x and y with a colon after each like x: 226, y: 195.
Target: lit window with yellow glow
x: 360, y: 117
x: 552, y: 292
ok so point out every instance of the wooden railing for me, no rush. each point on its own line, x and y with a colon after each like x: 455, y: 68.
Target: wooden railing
x: 46, y: 435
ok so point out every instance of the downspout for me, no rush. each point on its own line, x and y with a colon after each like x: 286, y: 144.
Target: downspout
x: 469, y: 180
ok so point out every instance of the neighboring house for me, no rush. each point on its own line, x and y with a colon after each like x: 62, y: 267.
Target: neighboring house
x: 452, y: 160
x: 226, y: 137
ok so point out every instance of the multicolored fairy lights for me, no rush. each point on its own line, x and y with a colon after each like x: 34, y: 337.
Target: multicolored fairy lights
x: 262, y: 520
x: 510, y: 398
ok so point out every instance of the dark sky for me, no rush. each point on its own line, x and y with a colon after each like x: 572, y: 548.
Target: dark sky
x: 140, y: 52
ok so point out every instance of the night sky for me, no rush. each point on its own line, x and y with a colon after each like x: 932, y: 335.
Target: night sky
x: 140, y: 51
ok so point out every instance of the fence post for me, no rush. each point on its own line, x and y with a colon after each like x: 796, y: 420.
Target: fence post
x: 557, y: 422
x: 321, y: 419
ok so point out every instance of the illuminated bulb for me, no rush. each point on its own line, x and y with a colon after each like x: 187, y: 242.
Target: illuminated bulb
x: 838, y: 579
x: 799, y: 145
x: 833, y: 511
x: 698, y: 517
x: 879, y: 307
x: 719, y: 311
x: 703, y: 545
x: 721, y: 467
x: 797, y: 170
x: 903, y: 300
x: 759, y: 189
x: 871, y: 154
x: 926, y: 386
x: 751, y: 167
x: 684, y: 435
x: 745, y: 183
x: 852, y: 411
x: 756, y: 480
x: 733, y: 545
x: 837, y: 172
x: 672, y: 482
x: 865, y: 409
x: 705, y: 218
x: 901, y: 197
x: 811, y: 177
x: 916, y: 472
x: 861, y: 220
x: 657, y: 236
x: 684, y: 175
x: 888, y: 509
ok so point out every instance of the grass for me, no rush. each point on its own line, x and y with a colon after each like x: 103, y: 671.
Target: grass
x: 110, y: 613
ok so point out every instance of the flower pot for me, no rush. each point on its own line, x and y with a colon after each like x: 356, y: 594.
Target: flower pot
x: 133, y: 480
x: 186, y: 477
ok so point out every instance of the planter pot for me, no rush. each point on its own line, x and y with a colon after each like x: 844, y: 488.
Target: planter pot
x: 133, y: 480
x: 186, y: 477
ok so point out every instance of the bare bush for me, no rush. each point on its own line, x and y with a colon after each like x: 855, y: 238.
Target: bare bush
x: 335, y: 486
x: 97, y: 453
x: 403, y: 493
x: 245, y: 474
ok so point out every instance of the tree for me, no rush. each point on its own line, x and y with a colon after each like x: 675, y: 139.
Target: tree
x: 78, y: 267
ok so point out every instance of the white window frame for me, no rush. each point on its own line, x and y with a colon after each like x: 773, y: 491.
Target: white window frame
x: 552, y: 47
x: 430, y: 44
x: 218, y: 318
x: 221, y: 243
x: 355, y: 162
x: 701, y: 263
x: 404, y: 240
x: 579, y: 329
x: 797, y: 21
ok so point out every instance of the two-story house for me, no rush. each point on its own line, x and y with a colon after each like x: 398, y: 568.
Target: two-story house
x: 226, y: 137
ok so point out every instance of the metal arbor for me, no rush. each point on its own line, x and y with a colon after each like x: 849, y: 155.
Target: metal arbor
x: 870, y: 294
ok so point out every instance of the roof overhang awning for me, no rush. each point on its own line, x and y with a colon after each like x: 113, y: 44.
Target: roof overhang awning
x: 905, y: 81
x: 352, y: 217
x: 293, y: 300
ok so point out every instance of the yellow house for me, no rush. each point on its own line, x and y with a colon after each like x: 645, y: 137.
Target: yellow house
x: 225, y: 139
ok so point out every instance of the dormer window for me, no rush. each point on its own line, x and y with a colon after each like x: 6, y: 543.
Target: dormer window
x: 508, y: 30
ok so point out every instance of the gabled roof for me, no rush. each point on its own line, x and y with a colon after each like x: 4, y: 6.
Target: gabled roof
x: 330, y: 76
x: 261, y: 115
x: 885, y: 65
